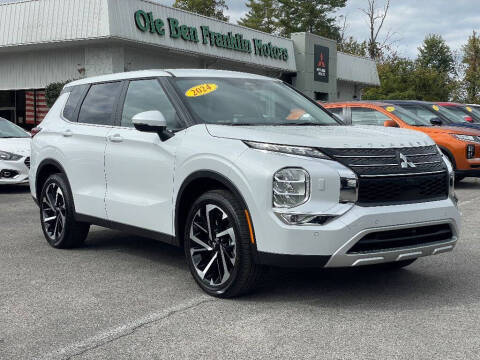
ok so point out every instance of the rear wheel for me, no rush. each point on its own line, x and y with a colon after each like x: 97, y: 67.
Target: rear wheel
x: 218, y: 245
x: 57, y: 215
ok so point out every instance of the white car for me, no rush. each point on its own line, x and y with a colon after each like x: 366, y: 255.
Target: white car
x: 14, y: 153
x: 221, y: 164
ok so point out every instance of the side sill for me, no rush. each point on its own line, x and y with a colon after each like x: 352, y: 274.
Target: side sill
x: 293, y: 261
x: 169, y: 239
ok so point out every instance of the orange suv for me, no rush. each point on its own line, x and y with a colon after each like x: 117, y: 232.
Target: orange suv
x: 461, y: 145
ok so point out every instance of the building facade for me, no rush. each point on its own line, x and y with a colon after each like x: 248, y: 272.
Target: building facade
x: 47, y: 41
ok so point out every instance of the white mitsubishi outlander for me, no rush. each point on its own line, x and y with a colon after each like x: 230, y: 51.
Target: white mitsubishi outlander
x: 241, y: 171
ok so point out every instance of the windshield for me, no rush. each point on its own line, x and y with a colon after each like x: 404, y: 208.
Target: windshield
x: 237, y: 101
x: 407, y: 116
x: 475, y: 111
x: 450, y: 115
x: 10, y: 130
x: 463, y: 113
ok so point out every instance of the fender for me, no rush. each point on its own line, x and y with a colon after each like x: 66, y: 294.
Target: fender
x: 213, y: 175
x: 42, y: 165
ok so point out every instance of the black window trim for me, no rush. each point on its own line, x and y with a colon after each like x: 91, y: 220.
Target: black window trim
x: 69, y: 90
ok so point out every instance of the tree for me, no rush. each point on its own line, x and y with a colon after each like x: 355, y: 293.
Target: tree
x: 53, y: 90
x: 314, y: 16
x: 351, y: 46
x: 436, y: 54
x: 471, y: 59
x: 403, y: 78
x: 376, y: 19
x: 262, y: 16
x: 210, y: 8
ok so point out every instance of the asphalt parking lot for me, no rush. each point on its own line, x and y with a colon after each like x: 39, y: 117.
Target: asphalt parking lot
x: 124, y: 297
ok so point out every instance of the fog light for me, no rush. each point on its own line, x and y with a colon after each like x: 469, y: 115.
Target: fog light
x: 470, y: 151
x: 305, y: 219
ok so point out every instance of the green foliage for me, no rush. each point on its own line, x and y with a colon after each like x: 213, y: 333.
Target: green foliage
x: 52, y: 92
x: 405, y: 79
x: 210, y: 8
x: 471, y: 59
x: 436, y: 54
x: 262, y: 16
x: 314, y: 16
x: 353, y: 47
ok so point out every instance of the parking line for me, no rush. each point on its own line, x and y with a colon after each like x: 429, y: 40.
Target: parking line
x: 118, y: 332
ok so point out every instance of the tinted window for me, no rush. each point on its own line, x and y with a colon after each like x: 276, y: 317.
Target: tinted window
x: 72, y: 102
x: 337, y: 111
x: 148, y: 95
x: 365, y: 116
x: 98, y: 106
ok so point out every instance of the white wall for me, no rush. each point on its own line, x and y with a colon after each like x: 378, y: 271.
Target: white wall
x: 36, y: 69
x: 347, y: 91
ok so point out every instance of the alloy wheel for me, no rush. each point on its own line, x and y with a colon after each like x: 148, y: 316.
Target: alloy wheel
x: 54, y: 211
x: 213, y: 246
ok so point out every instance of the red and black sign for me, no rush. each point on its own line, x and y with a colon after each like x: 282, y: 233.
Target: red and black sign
x: 321, y: 64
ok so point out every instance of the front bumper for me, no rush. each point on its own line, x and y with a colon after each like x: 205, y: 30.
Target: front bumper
x: 329, y: 245
x: 18, y: 168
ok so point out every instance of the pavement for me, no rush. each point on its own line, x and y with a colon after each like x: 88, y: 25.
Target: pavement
x: 125, y: 297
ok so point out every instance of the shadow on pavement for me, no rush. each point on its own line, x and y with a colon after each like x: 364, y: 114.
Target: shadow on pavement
x: 469, y: 183
x: 14, y: 189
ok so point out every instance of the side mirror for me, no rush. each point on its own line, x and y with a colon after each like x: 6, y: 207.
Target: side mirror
x: 390, y: 123
x: 436, y: 121
x: 152, y: 121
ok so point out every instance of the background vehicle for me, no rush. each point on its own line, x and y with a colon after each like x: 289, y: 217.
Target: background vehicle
x: 241, y: 171
x: 460, y: 145
x: 14, y: 153
x: 435, y: 114
x: 462, y: 110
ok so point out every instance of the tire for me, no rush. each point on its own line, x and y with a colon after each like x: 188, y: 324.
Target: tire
x: 57, y: 215
x: 231, y: 270
x: 458, y: 179
x: 393, y: 265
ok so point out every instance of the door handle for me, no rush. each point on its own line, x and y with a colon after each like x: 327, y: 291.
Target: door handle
x: 116, y: 138
x: 67, y: 133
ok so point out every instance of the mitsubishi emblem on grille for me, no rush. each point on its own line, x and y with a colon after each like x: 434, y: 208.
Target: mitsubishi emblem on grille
x: 404, y: 161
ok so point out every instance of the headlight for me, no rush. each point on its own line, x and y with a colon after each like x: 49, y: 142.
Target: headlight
x: 9, y: 156
x: 287, y: 149
x: 469, y: 138
x: 291, y: 187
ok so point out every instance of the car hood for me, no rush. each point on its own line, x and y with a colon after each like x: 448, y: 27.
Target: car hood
x: 324, y: 136
x: 19, y: 146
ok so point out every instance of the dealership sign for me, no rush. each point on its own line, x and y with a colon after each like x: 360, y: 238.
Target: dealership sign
x: 321, y: 63
x: 146, y: 22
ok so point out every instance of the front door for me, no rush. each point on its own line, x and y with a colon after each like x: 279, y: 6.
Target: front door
x: 139, y: 166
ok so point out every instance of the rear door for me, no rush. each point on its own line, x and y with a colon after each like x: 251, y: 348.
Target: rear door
x: 85, y: 137
x: 139, y: 167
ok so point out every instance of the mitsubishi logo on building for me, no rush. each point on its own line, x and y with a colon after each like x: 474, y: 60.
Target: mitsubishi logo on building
x: 404, y: 161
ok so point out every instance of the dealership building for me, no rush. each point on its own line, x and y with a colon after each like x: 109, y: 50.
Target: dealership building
x: 47, y: 41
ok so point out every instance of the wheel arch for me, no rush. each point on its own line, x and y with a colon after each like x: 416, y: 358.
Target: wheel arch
x: 46, y: 168
x: 192, y: 187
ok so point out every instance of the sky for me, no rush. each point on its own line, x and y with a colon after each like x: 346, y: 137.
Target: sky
x: 409, y: 20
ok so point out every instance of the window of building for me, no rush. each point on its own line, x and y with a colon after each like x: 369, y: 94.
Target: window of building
x: 99, y: 104
x: 148, y: 95
x: 366, y: 116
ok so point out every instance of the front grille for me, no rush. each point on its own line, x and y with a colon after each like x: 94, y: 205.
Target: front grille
x: 402, y: 189
x: 27, y: 162
x: 372, y: 162
x: 390, y: 176
x: 395, y: 239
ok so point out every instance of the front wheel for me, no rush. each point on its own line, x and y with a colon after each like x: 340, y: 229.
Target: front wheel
x: 217, y: 244
x: 57, y: 215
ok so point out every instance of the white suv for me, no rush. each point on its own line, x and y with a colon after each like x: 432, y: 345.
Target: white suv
x: 241, y: 171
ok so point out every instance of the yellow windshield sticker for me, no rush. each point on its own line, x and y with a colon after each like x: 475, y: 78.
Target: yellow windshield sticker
x: 469, y: 108
x: 435, y: 107
x: 390, y: 108
x: 201, y: 90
